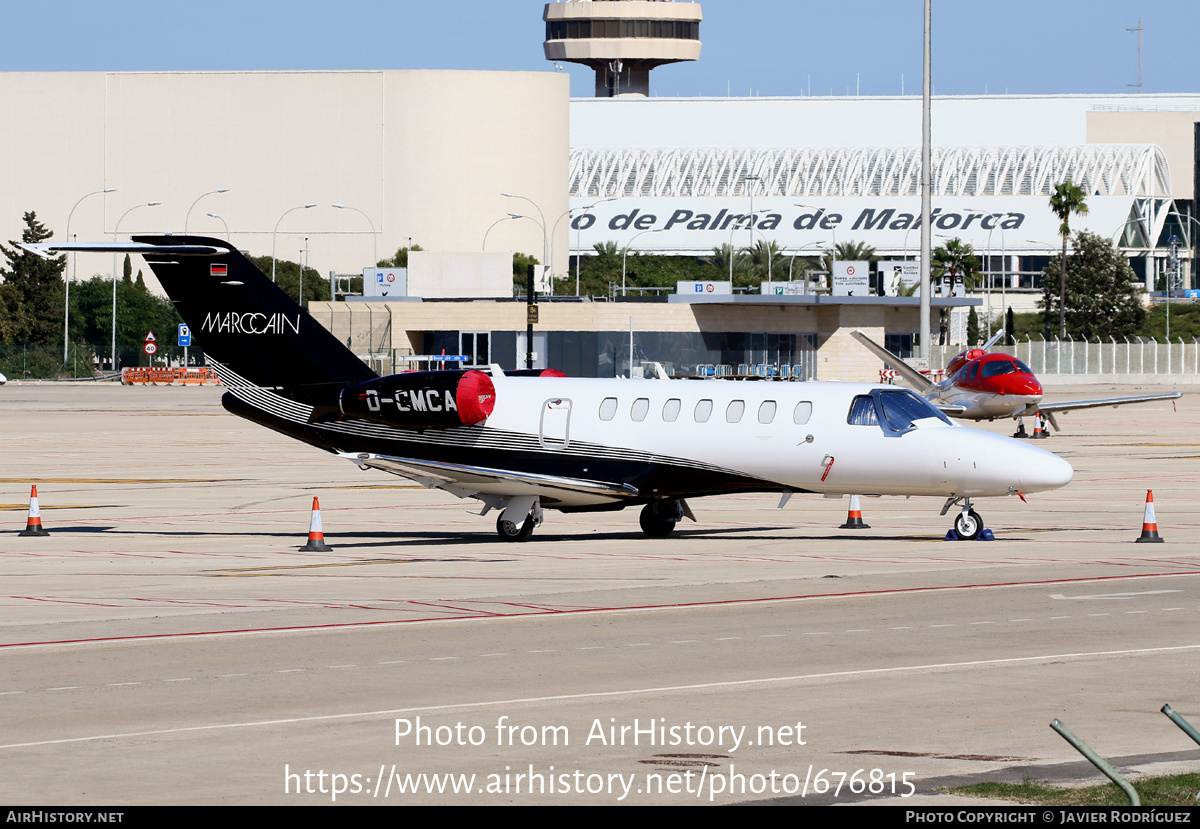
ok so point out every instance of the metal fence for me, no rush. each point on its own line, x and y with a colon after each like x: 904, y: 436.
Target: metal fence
x: 1103, y: 357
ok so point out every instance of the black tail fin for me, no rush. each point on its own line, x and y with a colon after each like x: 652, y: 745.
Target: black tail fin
x: 246, y: 324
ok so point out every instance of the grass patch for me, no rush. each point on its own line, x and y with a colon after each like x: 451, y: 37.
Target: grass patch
x: 1168, y: 790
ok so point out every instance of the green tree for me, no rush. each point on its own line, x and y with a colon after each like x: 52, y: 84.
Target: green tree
x: 33, y: 291
x: 287, y: 276
x: 973, y: 328
x: 955, y: 258
x: 521, y: 263
x: 1102, y: 292
x: 1068, y: 198
x: 138, y: 312
x: 399, y: 260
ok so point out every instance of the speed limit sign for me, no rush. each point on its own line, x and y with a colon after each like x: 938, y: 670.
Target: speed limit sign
x: 150, y: 348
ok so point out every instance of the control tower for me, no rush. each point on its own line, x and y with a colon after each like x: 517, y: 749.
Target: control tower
x: 622, y: 39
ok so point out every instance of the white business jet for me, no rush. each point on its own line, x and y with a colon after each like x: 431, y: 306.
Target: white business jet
x: 525, y: 442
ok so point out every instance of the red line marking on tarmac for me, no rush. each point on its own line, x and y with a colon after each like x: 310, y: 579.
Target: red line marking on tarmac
x: 680, y: 605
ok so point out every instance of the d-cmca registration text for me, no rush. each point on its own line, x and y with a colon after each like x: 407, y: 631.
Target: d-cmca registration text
x: 870, y: 781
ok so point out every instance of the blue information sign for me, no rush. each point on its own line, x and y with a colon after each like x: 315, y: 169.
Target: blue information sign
x: 185, y: 335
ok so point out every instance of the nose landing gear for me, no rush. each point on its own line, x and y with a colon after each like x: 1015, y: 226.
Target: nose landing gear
x: 967, y: 524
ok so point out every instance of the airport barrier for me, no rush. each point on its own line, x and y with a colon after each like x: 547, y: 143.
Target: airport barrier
x: 1138, y: 358
x: 169, y: 377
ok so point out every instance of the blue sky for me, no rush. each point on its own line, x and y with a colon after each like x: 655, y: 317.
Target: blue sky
x: 762, y: 47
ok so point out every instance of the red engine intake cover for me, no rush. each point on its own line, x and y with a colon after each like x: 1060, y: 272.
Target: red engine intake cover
x: 475, y: 396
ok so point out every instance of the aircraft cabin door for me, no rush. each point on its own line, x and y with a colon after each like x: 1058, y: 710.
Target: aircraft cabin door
x: 555, y: 430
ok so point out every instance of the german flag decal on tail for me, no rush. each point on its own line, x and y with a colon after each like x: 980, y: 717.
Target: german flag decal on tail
x: 217, y: 270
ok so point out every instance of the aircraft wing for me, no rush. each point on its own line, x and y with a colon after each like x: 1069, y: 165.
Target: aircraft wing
x: 1049, y: 409
x: 490, y: 484
x: 919, y: 380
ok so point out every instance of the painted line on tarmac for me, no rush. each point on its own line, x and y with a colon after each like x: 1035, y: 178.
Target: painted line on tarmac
x: 478, y: 615
x: 665, y: 689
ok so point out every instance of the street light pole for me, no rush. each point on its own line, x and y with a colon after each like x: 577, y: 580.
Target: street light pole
x: 625, y: 253
x: 578, y: 233
x: 74, y: 273
x: 374, y: 238
x: 223, y: 222
x: 188, y: 215
x: 276, y: 230
x: 114, y: 275
x: 303, y: 262
x: 545, y: 240
x: 542, y: 226
x: 926, y: 184
x: 493, y: 224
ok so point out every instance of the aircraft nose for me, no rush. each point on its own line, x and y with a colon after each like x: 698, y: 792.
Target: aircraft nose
x: 1025, y: 385
x: 1039, y: 470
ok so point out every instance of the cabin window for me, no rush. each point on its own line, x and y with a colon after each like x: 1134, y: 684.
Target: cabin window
x: 639, y: 409
x: 671, y: 410
x: 803, y: 413
x: 766, y: 412
x: 703, y: 411
x: 608, y: 408
x: 862, y: 412
x: 734, y: 411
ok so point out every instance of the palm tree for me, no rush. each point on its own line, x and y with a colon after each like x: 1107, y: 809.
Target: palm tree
x: 1067, y: 198
x: 847, y: 252
x: 764, y: 260
x: 954, y: 258
x: 727, y: 260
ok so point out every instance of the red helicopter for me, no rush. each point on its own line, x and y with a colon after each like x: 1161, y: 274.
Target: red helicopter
x: 982, y: 385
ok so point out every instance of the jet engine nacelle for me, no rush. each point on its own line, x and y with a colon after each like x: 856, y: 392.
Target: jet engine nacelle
x: 422, y: 399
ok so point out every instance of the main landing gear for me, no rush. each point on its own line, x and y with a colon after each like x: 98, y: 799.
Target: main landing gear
x: 659, y: 518
x: 519, y: 519
x: 523, y: 514
x: 967, y: 524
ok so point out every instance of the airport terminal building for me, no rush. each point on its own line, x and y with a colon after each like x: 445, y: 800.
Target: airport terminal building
x: 467, y: 162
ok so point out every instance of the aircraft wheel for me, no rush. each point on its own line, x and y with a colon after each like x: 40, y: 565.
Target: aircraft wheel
x: 508, y: 531
x: 654, y: 523
x: 968, y: 525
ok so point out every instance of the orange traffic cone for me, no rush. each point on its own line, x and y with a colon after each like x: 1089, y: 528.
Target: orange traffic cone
x: 854, y: 519
x: 1149, y: 525
x: 316, y: 538
x: 33, y: 526
x: 1038, y: 432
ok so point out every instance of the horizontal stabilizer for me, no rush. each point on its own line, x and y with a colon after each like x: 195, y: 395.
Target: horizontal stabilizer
x: 47, y: 250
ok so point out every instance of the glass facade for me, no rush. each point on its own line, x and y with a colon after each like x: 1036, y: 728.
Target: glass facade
x: 584, y: 29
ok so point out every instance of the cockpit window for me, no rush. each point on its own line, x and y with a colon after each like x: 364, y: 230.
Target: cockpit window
x: 1021, y: 367
x: 862, y: 412
x: 995, y: 368
x: 901, y: 408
